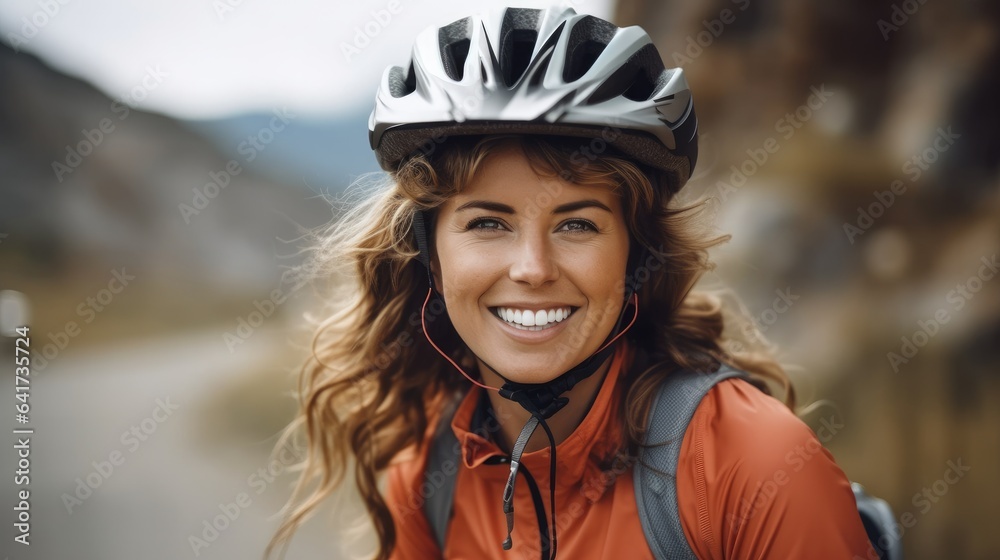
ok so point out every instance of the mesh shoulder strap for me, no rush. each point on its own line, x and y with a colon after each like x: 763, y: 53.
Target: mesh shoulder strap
x: 443, y: 460
x: 656, y: 492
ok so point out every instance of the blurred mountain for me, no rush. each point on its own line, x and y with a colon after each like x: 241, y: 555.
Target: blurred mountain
x: 322, y: 154
x: 89, y: 184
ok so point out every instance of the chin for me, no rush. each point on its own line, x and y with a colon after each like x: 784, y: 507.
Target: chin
x: 527, y: 373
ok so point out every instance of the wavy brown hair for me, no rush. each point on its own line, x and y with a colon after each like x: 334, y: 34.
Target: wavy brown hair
x: 372, y: 386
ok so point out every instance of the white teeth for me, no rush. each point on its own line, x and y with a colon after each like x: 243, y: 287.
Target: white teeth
x: 541, y: 319
x: 528, y: 318
x: 534, y: 320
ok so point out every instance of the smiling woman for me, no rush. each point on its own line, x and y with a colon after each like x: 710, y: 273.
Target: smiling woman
x: 553, y: 291
x: 490, y: 254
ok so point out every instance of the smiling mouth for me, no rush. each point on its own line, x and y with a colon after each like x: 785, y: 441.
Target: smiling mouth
x: 558, y: 316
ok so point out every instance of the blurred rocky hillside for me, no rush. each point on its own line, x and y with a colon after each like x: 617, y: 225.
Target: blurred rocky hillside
x: 90, y: 185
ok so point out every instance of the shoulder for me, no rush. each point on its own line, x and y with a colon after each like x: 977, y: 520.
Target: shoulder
x: 755, y: 431
x: 754, y: 479
x: 741, y: 440
x: 404, y: 478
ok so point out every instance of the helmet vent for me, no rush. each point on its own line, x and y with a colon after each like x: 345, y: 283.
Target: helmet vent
x: 650, y: 75
x: 544, y: 57
x: 588, y: 39
x: 454, y: 41
x: 401, y: 85
x: 641, y: 88
x: 636, y: 80
x: 520, y: 47
x: 518, y: 35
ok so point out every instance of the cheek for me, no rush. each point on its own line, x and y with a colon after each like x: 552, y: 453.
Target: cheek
x: 463, y: 293
x: 603, y: 286
x: 465, y: 275
x: 602, y: 280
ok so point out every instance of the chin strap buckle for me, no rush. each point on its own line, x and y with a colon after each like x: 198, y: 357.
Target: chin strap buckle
x: 542, y: 400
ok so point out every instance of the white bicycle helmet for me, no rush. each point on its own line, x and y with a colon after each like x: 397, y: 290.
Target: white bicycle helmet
x: 535, y: 71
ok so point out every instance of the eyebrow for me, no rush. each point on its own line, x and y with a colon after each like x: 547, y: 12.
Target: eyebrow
x: 505, y: 209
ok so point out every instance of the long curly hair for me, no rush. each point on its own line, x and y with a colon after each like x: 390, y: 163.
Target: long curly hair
x: 373, y: 386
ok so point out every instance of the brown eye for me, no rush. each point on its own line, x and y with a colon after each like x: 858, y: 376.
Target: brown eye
x: 482, y: 224
x: 579, y: 225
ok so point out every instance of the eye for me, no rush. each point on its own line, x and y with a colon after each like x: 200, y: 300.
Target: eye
x: 484, y: 224
x: 579, y: 225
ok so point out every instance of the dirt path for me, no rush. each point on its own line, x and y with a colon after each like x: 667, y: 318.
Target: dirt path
x: 119, y: 470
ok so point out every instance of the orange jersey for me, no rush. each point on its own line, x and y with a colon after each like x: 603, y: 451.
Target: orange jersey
x: 753, y: 481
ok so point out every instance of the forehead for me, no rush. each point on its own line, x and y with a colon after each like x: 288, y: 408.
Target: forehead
x: 507, y: 174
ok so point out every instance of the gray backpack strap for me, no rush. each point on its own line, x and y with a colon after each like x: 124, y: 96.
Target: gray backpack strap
x: 656, y: 493
x: 443, y: 460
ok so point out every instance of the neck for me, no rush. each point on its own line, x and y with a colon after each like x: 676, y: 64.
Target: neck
x: 512, y: 417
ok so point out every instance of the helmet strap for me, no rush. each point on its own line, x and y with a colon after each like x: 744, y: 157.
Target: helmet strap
x: 421, y: 219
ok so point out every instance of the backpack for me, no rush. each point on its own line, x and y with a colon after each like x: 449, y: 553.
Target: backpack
x: 655, y: 495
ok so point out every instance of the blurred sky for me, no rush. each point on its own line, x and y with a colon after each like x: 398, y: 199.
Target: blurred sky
x: 223, y: 57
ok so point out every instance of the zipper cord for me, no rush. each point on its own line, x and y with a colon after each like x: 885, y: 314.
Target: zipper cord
x: 515, y: 463
x: 508, y: 492
x: 543, y: 523
x: 552, y: 485
x: 536, y: 498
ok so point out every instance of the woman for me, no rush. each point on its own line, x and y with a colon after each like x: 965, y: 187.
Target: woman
x: 526, y: 266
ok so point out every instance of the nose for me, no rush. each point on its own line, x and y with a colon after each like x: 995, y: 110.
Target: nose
x: 533, y: 262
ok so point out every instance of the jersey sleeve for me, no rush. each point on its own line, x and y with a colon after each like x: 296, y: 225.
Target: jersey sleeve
x: 754, y: 482
x: 414, y: 540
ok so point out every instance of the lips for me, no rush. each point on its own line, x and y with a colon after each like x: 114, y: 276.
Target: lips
x: 532, y: 319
